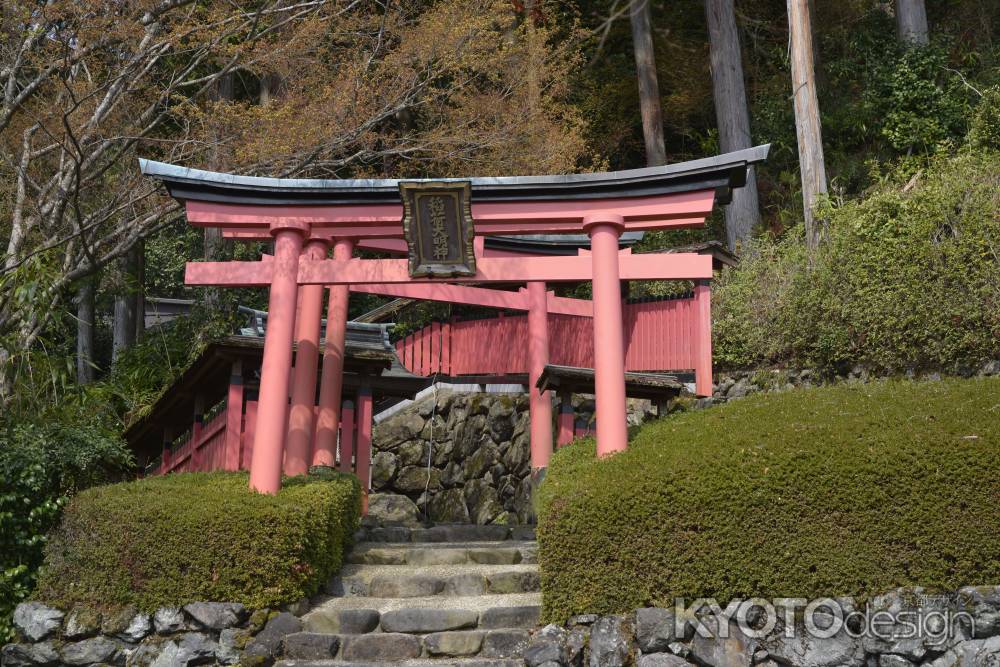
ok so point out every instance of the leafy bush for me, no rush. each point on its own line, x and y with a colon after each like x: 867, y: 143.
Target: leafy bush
x: 41, y: 466
x: 917, y: 98
x: 841, y: 490
x: 908, y: 278
x: 199, y: 536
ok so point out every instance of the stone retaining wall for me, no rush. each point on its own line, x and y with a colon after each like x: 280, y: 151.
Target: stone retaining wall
x: 960, y: 629
x: 201, y: 633
x: 649, y: 637
x: 461, y: 458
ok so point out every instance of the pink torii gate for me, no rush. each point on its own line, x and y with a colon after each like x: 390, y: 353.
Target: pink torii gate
x: 305, y: 218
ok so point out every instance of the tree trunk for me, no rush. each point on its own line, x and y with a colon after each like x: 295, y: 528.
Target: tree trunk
x: 808, y: 131
x: 124, y: 328
x: 732, y: 117
x: 911, y: 22
x: 649, y: 89
x: 85, y: 332
x: 222, y: 92
x: 140, y: 291
x: 270, y: 87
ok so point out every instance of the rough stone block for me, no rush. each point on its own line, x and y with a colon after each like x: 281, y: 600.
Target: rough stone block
x: 393, y: 509
x: 454, y: 644
x: 389, y: 586
x: 276, y: 630
x: 35, y: 621
x: 436, y: 556
x: 609, y: 642
x: 89, y: 651
x: 424, y: 620
x: 389, y: 534
x: 311, y: 646
x: 412, y: 479
x: 523, y: 533
x: 29, y: 655
x: 514, y: 582
x: 379, y: 556
x: 81, y: 623
x: 341, y: 621
x: 505, y: 643
x: 168, y: 620
x: 500, y: 556
x: 525, y: 616
x: 466, y: 585
x: 216, y: 615
x: 381, y: 647
x: 655, y: 629
x: 547, y: 646
x: 138, y: 628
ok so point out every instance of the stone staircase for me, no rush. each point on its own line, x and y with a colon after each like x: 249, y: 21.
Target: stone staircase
x: 457, y: 595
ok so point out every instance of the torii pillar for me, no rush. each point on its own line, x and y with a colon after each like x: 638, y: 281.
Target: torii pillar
x: 609, y: 339
x: 332, y: 377
x: 298, y: 450
x: 540, y: 402
x: 269, y: 439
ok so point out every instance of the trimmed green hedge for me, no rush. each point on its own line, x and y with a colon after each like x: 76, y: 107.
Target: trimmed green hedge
x: 842, y: 490
x: 199, y: 536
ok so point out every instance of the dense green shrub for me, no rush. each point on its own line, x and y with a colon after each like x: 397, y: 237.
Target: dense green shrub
x: 199, y: 536
x: 41, y: 466
x: 841, y: 490
x: 907, y: 278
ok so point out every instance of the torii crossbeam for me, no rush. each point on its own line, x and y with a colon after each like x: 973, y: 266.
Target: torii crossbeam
x: 305, y: 217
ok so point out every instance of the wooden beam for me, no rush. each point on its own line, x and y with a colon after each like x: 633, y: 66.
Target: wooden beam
x: 477, y: 296
x: 675, y: 266
x: 384, y: 221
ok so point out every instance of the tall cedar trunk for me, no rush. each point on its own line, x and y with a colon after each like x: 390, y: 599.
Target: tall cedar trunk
x: 808, y: 131
x: 140, y: 291
x: 270, y: 88
x: 911, y: 22
x: 649, y: 89
x: 85, y: 332
x: 124, y: 327
x: 731, y: 114
x: 222, y: 92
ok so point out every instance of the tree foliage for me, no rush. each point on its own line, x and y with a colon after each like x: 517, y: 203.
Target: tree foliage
x: 358, y: 89
x: 907, y: 280
x: 42, y: 466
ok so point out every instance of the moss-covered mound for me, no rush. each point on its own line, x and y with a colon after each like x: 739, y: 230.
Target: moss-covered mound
x: 845, y: 490
x: 199, y: 536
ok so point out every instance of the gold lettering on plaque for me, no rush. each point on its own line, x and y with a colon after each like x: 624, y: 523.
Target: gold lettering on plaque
x: 435, y: 207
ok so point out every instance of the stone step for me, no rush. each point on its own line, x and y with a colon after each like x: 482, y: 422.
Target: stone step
x: 392, y: 647
x: 401, y: 581
x: 444, y: 533
x: 483, y: 553
x: 423, y: 615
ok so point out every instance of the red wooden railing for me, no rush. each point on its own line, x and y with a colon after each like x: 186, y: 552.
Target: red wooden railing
x: 205, y: 448
x: 659, y: 335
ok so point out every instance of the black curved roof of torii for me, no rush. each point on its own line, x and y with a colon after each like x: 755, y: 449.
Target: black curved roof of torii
x: 721, y: 173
